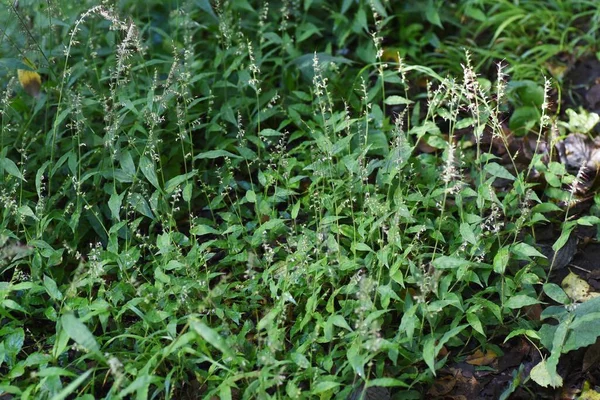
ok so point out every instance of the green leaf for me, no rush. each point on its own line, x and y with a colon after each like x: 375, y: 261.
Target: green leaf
x: 212, y: 337
x: 523, y: 119
x: 201, y: 229
x: 340, y: 322
x: 206, y: 7
x: 324, y: 386
x: 525, y: 250
x: 39, y: 176
x: 467, y: 233
x: 588, y: 220
x: 431, y: 13
x: 52, y: 289
x: 519, y: 301
x: 215, y: 154
x: 396, y: 100
x: 361, y: 247
x: 583, y: 331
x: 386, y: 382
x: 501, y: 260
x: 447, y: 262
x: 475, y: 323
x: 13, y: 343
x: 147, y: 168
x: 431, y: 349
x: 269, y: 132
x: 175, y: 182
x: 79, y: 332
x: 187, y: 192
x: 527, y: 332
x: 357, y: 361
x: 114, y: 205
x: 582, y: 121
x: 71, y: 387
x: 140, y: 204
x: 556, y: 293
x: 300, y: 360
x: 563, y: 238
x: 498, y: 171
x: 429, y: 353
x: 11, y: 168
x: 268, y: 319
x: 296, y: 210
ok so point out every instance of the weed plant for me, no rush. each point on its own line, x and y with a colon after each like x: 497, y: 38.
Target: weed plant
x: 216, y: 202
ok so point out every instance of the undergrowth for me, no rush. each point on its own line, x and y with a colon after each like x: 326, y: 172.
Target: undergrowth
x: 224, y: 200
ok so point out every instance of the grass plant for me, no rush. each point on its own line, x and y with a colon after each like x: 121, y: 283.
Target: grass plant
x: 225, y: 200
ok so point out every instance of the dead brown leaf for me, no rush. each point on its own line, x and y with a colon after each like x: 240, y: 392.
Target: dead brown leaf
x: 442, y: 386
x: 479, y: 358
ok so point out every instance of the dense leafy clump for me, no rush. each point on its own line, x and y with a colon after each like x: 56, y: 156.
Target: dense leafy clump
x: 295, y: 200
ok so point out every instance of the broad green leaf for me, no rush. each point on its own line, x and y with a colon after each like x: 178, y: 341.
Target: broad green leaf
x: 79, y: 332
x: 300, y: 360
x: 362, y: 247
x: 475, y: 323
x: 339, y: 321
x: 175, y: 182
x: 215, y: 154
x: 39, y: 177
x: 498, y: 171
x: 187, y: 192
x: 212, y: 337
x: 386, y: 382
x: 588, y: 220
x: 296, y: 210
x: 13, y: 342
x: 522, y: 119
x: 11, y: 168
x: 201, y: 229
x: 563, y: 238
x: 448, y: 262
x: 583, y: 331
x: 432, y: 15
x: 269, y: 132
x: 556, y: 293
x: 527, y: 332
x: 356, y: 360
x: 519, y: 301
x: 140, y: 204
x: 467, y: 233
x: 525, y: 250
x: 324, y: 386
x: 501, y: 260
x: 429, y: 353
x: 114, y: 205
x: 396, y: 100
x: 147, y: 168
x: 52, y: 289
x: 268, y: 319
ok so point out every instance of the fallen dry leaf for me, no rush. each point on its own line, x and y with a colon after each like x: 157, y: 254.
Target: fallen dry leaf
x: 577, y: 289
x: 442, y: 386
x: 587, y: 393
x: 478, y: 358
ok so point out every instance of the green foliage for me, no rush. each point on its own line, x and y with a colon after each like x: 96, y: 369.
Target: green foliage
x: 217, y: 199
